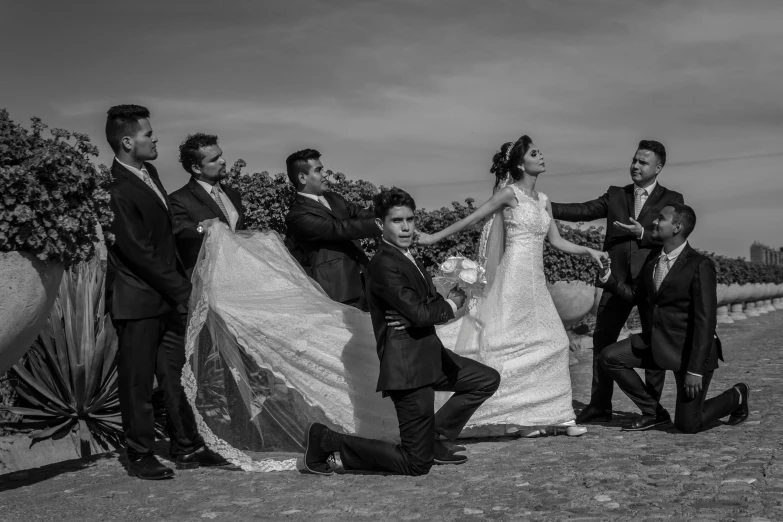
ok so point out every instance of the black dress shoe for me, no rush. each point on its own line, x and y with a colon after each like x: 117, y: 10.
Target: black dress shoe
x: 149, y: 467
x: 443, y: 455
x: 204, y: 457
x: 743, y: 410
x: 646, y: 422
x: 320, y: 443
x: 592, y: 414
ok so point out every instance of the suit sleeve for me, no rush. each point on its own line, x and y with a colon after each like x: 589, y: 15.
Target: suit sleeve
x: 623, y: 290
x: 647, y: 239
x: 138, y: 252
x: 395, y: 290
x: 588, y: 211
x: 314, y: 227
x: 705, y: 305
x: 184, y: 227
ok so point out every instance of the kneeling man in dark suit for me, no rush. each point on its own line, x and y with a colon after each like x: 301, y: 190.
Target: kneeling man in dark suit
x: 414, y: 362
x: 676, y: 296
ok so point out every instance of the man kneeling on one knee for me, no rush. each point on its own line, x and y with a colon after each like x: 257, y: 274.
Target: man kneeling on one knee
x: 676, y: 297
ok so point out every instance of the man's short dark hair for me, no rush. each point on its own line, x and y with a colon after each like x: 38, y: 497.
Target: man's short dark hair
x: 189, y: 153
x: 297, y: 162
x: 684, y: 215
x: 121, y: 121
x: 656, y: 147
x: 387, y: 199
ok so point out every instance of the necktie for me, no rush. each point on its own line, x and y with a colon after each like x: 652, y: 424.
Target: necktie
x: 637, y: 202
x: 323, y: 201
x: 219, y: 201
x: 413, y: 260
x: 661, y: 269
x: 150, y: 184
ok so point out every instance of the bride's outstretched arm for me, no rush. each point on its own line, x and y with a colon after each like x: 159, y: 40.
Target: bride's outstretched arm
x: 501, y: 198
x: 563, y: 245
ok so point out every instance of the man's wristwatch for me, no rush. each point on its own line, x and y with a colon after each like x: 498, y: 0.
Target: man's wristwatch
x: 200, y: 229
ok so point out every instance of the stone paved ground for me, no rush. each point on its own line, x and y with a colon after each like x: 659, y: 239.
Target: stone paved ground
x: 723, y: 474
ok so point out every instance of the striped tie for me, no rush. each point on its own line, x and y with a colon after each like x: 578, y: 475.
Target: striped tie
x: 637, y: 202
x: 150, y: 184
x: 661, y: 269
x: 219, y: 201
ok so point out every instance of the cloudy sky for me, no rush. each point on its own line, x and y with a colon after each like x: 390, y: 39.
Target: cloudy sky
x: 420, y: 94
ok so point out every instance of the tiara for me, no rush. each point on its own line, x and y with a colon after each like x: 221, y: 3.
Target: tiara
x: 508, y: 152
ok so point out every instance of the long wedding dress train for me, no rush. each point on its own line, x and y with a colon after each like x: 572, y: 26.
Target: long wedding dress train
x: 269, y: 351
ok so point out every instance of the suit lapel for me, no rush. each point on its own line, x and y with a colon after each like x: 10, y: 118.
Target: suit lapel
x: 675, y: 268
x: 316, y: 205
x: 236, y: 200
x: 629, y: 196
x: 409, y: 266
x: 652, y: 200
x: 134, y: 180
x: 204, y: 196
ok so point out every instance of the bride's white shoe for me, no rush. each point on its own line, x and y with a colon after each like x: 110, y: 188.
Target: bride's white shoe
x: 570, y: 428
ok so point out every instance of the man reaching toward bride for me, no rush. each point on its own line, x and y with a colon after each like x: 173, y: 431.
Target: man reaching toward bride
x: 514, y: 327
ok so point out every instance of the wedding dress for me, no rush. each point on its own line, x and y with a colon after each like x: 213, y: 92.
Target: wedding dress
x: 269, y: 352
x: 515, y: 328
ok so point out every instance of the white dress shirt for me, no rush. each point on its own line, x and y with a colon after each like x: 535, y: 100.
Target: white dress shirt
x: 409, y: 256
x: 233, y: 215
x: 644, y: 196
x: 319, y: 199
x: 141, y: 173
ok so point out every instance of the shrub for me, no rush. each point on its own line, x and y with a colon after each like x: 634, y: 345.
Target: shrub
x: 53, y: 197
x: 267, y: 199
x: 68, y: 379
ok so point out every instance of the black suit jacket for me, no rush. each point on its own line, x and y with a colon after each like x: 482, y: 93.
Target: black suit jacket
x: 144, y: 276
x: 627, y: 252
x: 325, y: 242
x: 415, y: 356
x: 190, y: 205
x: 679, y: 320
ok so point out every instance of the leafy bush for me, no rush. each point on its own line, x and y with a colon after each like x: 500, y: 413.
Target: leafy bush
x: 53, y: 197
x: 267, y: 199
x: 739, y: 271
x: 68, y: 379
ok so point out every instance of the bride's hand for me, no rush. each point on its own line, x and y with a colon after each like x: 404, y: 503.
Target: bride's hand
x: 601, y: 258
x: 424, y: 239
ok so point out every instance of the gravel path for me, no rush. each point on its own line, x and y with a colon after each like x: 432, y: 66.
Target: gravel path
x: 725, y: 473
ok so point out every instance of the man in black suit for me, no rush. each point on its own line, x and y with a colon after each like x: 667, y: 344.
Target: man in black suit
x: 676, y: 296
x: 414, y: 362
x: 146, y: 296
x: 629, y: 212
x: 324, y: 229
x: 203, y: 200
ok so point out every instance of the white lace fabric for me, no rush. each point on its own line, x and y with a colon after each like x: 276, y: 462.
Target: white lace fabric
x: 516, y: 328
x: 269, y: 352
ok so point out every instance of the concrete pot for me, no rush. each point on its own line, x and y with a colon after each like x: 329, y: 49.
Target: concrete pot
x: 573, y: 300
x: 28, y: 286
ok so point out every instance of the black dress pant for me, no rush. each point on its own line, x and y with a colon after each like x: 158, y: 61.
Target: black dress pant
x: 612, y: 314
x: 691, y: 414
x: 149, y: 348
x: 420, y: 425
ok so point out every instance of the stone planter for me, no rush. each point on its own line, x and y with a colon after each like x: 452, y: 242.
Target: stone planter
x: 28, y: 286
x: 573, y: 300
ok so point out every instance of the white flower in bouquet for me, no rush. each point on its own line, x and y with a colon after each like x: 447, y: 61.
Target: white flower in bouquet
x: 467, y: 263
x: 469, y: 275
x: 449, y: 265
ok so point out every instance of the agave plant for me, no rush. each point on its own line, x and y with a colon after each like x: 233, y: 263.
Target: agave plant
x: 68, y: 379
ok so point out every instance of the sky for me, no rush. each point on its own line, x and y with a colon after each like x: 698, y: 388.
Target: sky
x: 420, y: 94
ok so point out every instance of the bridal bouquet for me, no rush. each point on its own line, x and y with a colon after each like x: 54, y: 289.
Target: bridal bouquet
x: 464, y: 273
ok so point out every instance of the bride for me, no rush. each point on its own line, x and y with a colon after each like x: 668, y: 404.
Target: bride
x: 269, y: 351
x: 514, y: 327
